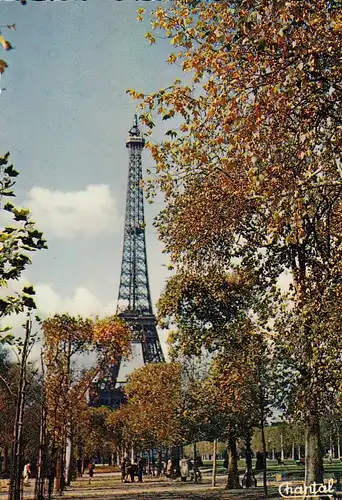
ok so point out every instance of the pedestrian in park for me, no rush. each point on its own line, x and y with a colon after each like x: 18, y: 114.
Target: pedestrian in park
x: 169, y: 468
x: 131, y: 471
x: 91, y: 468
x: 27, y: 473
x: 184, y: 468
x: 127, y: 469
x: 140, y: 469
x: 144, y: 463
x: 259, y: 465
x: 123, y: 470
x: 153, y: 466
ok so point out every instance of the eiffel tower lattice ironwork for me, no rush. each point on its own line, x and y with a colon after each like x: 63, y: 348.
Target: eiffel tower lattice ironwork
x: 134, y: 299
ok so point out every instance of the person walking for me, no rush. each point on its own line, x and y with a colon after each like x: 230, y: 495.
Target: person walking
x: 140, y: 469
x: 169, y: 468
x: 131, y: 471
x: 91, y: 468
x: 197, y: 473
x: 123, y: 470
x: 27, y: 473
x: 184, y: 468
x: 127, y: 469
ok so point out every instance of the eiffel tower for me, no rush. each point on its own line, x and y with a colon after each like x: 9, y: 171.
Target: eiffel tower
x: 134, y: 299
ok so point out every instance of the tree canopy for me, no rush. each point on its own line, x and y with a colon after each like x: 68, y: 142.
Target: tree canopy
x: 250, y: 168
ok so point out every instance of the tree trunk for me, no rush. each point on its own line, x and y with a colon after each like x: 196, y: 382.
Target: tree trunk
x: 293, y: 451
x: 281, y: 447
x: 313, y: 450
x: 59, y: 474
x: 332, y: 447
x: 69, y: 455
x: 40, y: 480
x: 80, y: 460
x: 16, y: 476
x: 248, y: 479
x: 213, y: 480
x: 52, y: 469
x: 263, y: 440
x: 195, y: 462
x: 159, y: 461
x: 149, y: 468
x: 233, y: 472
x: 4, y: 465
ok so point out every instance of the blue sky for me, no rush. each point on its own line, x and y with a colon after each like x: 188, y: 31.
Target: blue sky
x: 64, y: 118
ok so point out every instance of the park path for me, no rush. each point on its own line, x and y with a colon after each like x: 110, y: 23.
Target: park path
x: 110, y: 488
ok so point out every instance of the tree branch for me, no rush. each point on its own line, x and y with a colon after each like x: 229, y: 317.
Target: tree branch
x: 7, y: 386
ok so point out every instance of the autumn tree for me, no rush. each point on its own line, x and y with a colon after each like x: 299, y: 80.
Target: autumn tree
x: 242, y: 372
x: 126, y: 430
x: 163, y: 411
x: 202, y: 418
x: 212, y: 312
x: 205, y: 416
x: 20, y: 402
x: 65, y: 338
x: 168, y: 406
x: 283, y: 439
x: 251, y: 168
x: 97, y: 439
x: 155, y: 392
x: 8, y: 400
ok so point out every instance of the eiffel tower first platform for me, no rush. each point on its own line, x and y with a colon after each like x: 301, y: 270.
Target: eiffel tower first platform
x: 134, y: 299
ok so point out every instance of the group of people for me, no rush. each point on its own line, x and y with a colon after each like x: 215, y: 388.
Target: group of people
x: 189, y: 468
x: 131, y: 469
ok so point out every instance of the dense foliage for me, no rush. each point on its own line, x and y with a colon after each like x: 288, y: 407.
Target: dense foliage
x: 251, y: 172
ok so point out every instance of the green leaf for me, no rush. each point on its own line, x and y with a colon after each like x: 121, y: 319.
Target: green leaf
x: 29, y: 302
x: 7, y: 339
x: 4, y: 159
x: 9, y: 207
x: 11, y: 171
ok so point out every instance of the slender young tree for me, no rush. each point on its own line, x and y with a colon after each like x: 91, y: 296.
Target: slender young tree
x: 23, y: 348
